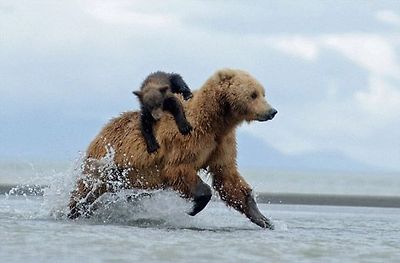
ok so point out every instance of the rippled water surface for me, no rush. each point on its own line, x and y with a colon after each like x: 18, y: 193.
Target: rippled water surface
x: 158, y: 230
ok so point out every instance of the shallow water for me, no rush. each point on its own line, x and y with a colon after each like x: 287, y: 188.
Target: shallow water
x: 157, y: 229
x: 345, y: 183
x: 160, y: 231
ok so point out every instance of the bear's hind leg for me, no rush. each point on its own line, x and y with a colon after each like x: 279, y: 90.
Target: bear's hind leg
x: 185, y: 180
x: 201, y: 196
x: 82, y: 199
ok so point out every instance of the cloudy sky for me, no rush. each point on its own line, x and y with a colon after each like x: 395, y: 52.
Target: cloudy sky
x: 331, y: 68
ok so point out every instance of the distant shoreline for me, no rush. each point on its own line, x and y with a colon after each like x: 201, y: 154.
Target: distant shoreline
x: 329, y: 200
x: 271, y: 198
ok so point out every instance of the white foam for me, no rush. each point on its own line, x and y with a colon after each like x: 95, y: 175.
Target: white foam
x: 140, y: 207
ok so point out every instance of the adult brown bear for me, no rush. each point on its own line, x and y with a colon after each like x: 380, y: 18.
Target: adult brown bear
x: 228, y: 98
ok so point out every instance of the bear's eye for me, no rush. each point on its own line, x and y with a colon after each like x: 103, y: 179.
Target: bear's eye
x: 254, y: 95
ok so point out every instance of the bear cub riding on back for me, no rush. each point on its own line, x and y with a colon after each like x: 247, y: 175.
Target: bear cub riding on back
x: 156, y: 95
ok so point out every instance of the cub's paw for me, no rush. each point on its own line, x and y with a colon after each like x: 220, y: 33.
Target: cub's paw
x: 185, y: 128
x: 151, y: 148
x: 187, y: 95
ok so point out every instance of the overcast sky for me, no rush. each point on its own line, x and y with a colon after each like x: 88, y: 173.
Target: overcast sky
x: 331, y: 68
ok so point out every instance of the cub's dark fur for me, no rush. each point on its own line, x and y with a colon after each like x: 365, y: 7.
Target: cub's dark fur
x: 156, y: 96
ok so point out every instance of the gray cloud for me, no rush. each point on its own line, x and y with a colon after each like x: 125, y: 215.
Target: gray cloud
x: 290, y: 17
x: 66, y: 68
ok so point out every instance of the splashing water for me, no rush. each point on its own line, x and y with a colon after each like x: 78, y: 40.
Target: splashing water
x: 126, y: 207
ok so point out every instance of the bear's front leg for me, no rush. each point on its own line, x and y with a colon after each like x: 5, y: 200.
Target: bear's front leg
x: 174, y: 106
x: 184, y: 179
x: 234, y: 190
x: 178, y: 85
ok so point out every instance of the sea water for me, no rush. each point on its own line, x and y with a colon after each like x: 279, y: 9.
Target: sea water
x: 163, y: 232
x: 158, y: 229
x: 268, y: 181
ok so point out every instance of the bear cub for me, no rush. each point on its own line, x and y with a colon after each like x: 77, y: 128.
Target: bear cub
x: 156, y: 95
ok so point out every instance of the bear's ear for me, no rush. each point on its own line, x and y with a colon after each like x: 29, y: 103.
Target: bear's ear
x: 226, y: 74
x: 137, y: 93
x: 163, y: 89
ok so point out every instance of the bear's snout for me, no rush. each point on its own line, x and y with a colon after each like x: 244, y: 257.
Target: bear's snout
x: 268, y: 115
x: 157, y: 113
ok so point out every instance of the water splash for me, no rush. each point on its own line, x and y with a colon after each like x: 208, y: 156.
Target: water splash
x: 58, y: 191
x: 140, y: 208
x: 126, y: 207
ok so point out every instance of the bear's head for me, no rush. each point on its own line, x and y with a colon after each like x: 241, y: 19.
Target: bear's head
x: 152, y: 99
x: 245, y: 96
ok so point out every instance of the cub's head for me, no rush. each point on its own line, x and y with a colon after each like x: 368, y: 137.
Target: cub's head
x: 152, y: 99
x: 245, y: 96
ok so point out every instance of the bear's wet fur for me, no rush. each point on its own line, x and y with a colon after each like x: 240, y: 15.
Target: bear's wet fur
x: 228, y: 98
x: 156, y: 95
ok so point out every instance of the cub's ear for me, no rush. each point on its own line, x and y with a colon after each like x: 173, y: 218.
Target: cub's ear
x: 163, y: 89
x: 137, y: 93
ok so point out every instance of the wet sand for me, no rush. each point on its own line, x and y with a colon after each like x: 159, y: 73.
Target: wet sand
x: 269, y: 198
